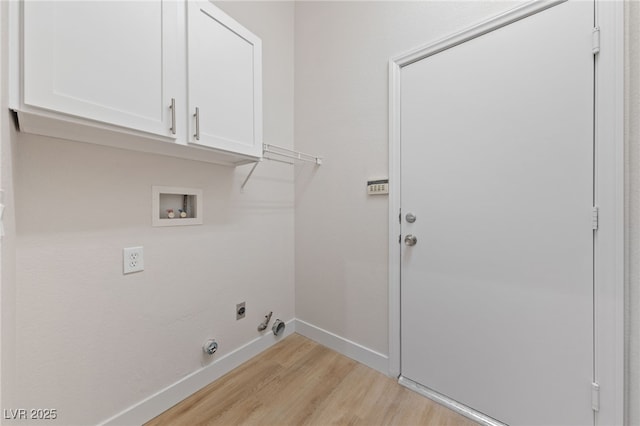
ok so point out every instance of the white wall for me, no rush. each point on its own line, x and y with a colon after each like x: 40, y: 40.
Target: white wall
x: 92, y: 342
x: 7, y: 244
x: 341, y: 56
x: 632, y: 139
x: 341, y: 92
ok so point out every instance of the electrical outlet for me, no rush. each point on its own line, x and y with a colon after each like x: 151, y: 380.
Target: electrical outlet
x: 241, y: 310
x: 132, y: 260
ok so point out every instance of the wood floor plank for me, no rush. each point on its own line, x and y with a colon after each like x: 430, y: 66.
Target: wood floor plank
x: 300, y: 382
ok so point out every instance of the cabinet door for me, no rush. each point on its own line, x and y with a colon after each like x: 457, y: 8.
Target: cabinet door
x: 109, y: 61
x: 225, y: 82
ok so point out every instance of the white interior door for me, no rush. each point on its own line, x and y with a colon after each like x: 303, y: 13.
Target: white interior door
x: 497, y: 167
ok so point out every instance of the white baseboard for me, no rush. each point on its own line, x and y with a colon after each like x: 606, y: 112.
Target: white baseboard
x: 346, y: 347
x: 171, y: 395
x: 166, y: 398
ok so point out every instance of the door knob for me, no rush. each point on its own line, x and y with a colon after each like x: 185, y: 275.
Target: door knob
x: 410, y: 240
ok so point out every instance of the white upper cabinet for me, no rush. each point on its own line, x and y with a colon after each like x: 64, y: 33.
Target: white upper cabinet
x: 108, y: 61
x: 132, y: 74
x: 224, y: 82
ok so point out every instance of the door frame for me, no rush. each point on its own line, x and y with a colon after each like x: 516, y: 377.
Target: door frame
x: 609, y: 239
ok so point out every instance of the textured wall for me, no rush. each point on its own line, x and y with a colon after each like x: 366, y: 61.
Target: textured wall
x: 632, y: 139
x: 92, y: 342
x: 341, y: 113
x: 7, y: 262
x: 341, y: 60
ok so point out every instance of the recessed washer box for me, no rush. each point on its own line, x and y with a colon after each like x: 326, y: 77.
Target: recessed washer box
x: 175, y: 206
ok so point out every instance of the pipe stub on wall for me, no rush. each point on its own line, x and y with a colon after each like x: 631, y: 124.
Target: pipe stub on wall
x: 278, y: 327
x: 210, y: 347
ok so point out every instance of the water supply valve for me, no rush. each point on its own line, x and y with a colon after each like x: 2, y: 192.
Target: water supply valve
x: 210, y: 347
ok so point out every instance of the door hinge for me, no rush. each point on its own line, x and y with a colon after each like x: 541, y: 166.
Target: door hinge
x: 595, y: 39
x: 594, y: 217
x: 595, y: 396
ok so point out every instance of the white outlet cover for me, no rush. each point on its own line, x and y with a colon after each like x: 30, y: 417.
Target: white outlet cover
x: 132, y: 260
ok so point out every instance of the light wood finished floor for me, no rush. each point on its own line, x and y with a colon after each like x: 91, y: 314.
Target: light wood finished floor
x: 299, y: 382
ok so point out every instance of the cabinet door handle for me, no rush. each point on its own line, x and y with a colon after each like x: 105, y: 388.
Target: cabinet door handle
x: 197, y: 116
x: 173, y: 116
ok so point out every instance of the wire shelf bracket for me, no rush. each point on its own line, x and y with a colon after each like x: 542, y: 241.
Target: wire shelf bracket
x: 289, y: 153
x: 281, y: 156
